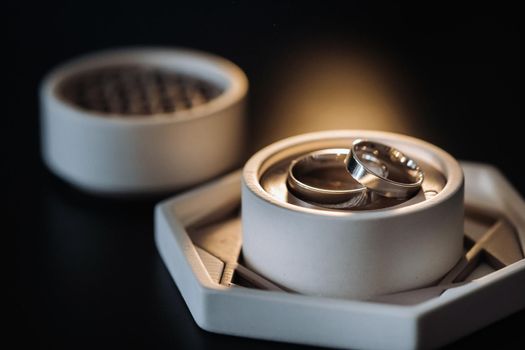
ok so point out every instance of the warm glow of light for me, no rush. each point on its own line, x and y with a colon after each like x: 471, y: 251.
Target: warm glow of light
x: 331, y: 89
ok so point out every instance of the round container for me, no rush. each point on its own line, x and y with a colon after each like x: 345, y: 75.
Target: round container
x: 135, y: 121
x: 352, y: 254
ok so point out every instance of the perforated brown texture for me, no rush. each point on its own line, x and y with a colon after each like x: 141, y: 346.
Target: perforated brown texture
x: 136, y: 90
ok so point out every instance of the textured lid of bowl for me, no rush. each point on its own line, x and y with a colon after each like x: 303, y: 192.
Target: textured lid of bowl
x: 135, y: 90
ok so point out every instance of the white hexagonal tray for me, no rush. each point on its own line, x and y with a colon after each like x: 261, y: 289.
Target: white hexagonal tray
x: 281, y: 316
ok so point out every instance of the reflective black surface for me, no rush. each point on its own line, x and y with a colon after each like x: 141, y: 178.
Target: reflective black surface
x: 86, y: 270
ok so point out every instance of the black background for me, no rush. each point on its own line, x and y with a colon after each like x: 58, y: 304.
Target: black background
x: 86, y: 270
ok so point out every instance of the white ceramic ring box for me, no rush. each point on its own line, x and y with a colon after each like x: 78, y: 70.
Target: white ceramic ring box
x: 352, y: 254
x: 421, y: 318
x: 108, y: 151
